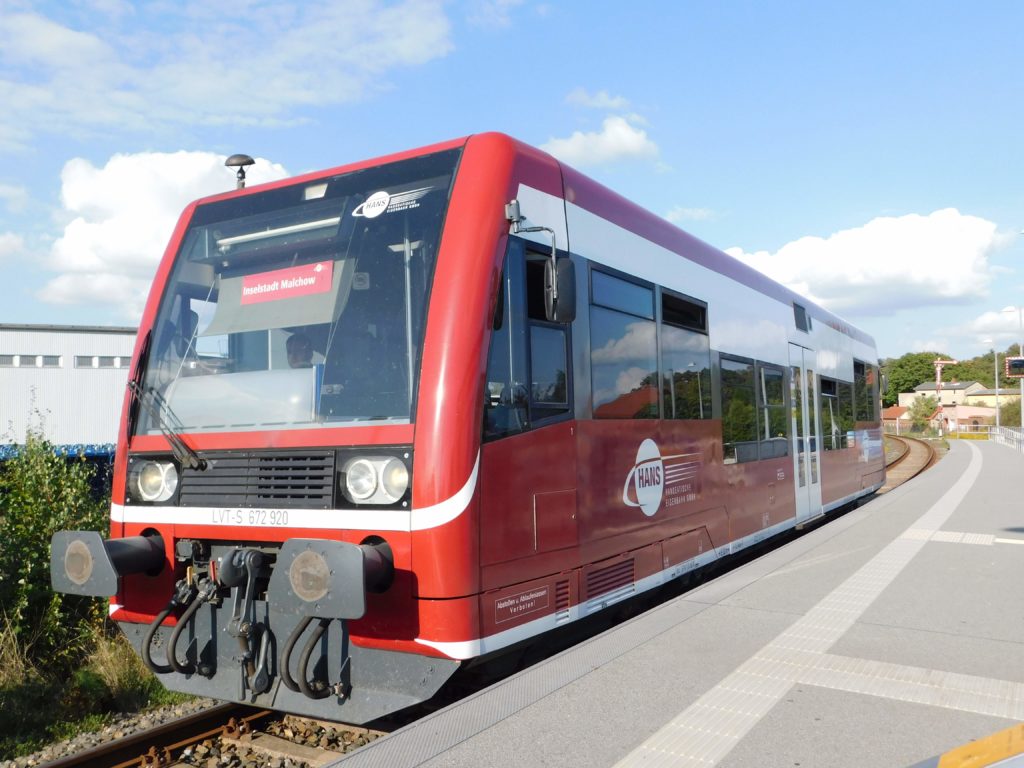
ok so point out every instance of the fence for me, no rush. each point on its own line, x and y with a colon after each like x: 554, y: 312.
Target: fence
x: 906, y: 428
x: 1011, y: 437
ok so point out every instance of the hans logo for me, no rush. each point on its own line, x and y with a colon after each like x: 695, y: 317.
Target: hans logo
x: 384, y: 202
x: 374, y: 205
x: 646, y: 479
x: 657, y: 481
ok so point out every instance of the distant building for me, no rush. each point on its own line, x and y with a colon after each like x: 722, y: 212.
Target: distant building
x: 895, y: 414
x: 987, y: 397
x: 68, y: 380
x: 962, y: 417
x: 953, y: 392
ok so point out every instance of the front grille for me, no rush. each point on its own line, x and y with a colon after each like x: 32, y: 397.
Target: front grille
x: 260, y: 479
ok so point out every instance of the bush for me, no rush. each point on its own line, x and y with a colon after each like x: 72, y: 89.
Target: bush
x: 62, y: 669
x: 42, y: 492
x: 1009, y: 414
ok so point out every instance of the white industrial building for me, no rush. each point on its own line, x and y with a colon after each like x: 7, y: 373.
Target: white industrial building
x: 67, y: 380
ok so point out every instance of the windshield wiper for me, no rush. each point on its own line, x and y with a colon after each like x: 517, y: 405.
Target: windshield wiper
x: 140, y: 367
x: 158, y: 407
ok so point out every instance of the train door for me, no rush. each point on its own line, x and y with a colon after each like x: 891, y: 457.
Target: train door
x: 804, y: 428
x: 528, y: 458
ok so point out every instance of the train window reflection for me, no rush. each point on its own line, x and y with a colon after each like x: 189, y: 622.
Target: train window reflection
x: 625, y: 296
x: 624, y: 365
x: 547, y: 365
x: 739, y: 411
x: 685, y: 358
x: 836, y: 414
x: 774, y: 429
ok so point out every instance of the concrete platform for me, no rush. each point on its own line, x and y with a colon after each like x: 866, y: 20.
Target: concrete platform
x: 888, y: 636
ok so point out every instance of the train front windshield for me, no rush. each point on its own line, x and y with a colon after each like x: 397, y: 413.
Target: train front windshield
x: 302, y: 306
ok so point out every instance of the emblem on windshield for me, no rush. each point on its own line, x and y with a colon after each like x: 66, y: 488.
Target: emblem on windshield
x: 383, y: 202
x: 374, y: 206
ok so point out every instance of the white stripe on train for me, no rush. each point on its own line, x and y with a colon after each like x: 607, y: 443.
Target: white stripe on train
x: 365, y: 519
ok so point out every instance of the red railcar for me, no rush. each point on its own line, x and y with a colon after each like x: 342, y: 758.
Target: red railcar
x: 393, y: 416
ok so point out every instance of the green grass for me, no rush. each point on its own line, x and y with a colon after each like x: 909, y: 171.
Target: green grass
x: 36, y: 711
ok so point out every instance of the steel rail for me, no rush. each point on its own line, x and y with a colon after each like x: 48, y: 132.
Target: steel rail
x: 159, y: 745
x: 918, y: 456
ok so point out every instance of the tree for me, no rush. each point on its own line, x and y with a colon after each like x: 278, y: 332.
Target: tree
x: 905, y: 373
x: 976, y: 369
x: 1009, y: 413
x: 921, y: 409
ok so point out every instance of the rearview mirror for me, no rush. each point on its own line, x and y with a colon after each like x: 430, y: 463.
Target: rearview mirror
x: 560, y: 290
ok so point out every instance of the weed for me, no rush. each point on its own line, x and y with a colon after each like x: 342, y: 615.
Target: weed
x: 36, y: 710
x: 63, y: 670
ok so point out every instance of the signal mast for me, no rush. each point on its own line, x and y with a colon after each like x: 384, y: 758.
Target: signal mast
x: 939, y: 363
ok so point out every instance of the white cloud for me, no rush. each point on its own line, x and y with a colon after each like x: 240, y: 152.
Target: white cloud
x: 183, y: 64
x: 618, y: 140
x: 10, y: 245
x: 929, y: 345
x: 906, y: 261
x: 13, y: 198
x: 679, y: 213
x: 99, y: 288
x: 1003, y: 327
x: 491, y: 13
x: 120, y: 217
x: 600, y: 100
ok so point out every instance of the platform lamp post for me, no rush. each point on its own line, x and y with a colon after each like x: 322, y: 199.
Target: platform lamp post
x: 995, y: 365
x: 1020, y: 351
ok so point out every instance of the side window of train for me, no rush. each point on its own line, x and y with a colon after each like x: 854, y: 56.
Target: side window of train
x: 755, y: 419
x: 836, y: 414
x: 549, y: 348
x: 865, y: 391
x: 624, y: 351
x: 774, y: 422
x: 528, y: 377
x: 832, y: 436
x: 685, y: 358
x: 739, y: 410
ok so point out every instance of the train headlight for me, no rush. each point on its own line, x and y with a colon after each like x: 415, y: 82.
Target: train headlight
x: 394, y: 479
x: 375, y: 479
x: 360, y: 479
x: 155, y: 480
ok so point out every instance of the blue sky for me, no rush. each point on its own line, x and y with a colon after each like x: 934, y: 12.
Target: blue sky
x: 868, y: 154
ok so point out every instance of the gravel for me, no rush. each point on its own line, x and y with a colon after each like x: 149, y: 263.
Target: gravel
x: 212, y: 753
x: 124, y: 725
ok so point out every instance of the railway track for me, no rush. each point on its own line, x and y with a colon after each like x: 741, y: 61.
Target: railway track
x: 907, y: 458
x: 227, y: 735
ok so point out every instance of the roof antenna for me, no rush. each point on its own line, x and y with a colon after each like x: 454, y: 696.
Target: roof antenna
x: 240, y: 162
